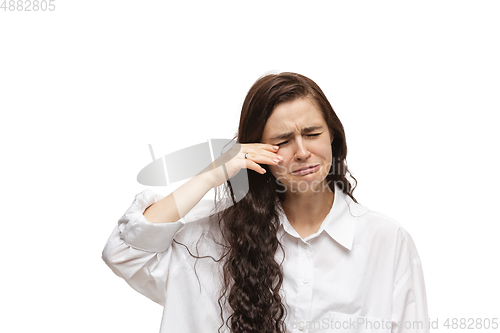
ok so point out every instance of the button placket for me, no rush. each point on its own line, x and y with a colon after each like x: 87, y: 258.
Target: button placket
x: 304, y: 287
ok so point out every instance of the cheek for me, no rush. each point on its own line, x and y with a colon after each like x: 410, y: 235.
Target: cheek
x: 327, y: 151
x: 328, y: 154
x: 280, y: 169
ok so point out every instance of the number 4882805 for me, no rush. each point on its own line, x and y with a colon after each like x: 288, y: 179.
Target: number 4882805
x: 28, y: 5
x: 471, y: 323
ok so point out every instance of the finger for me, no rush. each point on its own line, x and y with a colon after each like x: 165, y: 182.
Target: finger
x: 267, y: 146
x: 261, y: 148
x: 264, y: 157
x: 254, y: 166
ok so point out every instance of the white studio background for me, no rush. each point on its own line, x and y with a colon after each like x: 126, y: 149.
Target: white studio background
x: 85, y: 88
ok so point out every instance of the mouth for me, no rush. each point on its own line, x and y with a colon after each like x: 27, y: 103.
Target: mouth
x: 306, y: 170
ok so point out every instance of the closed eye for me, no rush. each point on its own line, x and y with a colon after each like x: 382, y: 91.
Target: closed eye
x: 284, y: 142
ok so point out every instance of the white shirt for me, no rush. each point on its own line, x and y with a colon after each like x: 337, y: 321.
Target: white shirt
x: 359, y: 273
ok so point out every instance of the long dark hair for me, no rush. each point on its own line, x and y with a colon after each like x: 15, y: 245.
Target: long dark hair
x: 252, y: 278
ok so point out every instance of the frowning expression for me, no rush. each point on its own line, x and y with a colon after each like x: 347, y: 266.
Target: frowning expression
x: 300, y: 130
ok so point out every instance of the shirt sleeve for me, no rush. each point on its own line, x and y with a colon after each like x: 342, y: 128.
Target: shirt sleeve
x: 409, y: 309
x: 140, y: 252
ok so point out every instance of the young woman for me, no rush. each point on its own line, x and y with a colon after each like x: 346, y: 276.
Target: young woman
x: 296, y: 253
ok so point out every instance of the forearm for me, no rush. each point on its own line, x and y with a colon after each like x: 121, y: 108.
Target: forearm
x: 178, y: 203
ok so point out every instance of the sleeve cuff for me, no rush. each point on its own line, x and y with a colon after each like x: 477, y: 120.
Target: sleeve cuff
x: 141, y: 234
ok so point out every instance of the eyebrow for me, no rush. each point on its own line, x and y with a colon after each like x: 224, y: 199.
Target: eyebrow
x: 289, y: 134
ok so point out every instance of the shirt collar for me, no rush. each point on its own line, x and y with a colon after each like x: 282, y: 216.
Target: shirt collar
x: 340, y: 223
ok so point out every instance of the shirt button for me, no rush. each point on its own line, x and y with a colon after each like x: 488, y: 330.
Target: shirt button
x: 301, y: 326
x: 305, y: 280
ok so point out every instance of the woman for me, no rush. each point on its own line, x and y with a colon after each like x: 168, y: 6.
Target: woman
x: 297, y: 253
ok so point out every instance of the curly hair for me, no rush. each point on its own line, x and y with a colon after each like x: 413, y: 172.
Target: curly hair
x: 252, y: 278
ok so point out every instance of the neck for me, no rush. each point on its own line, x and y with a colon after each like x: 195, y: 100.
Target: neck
x: 307, y: 210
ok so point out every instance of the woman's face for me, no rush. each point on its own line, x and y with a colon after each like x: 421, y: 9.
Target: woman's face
x: 299, y: 129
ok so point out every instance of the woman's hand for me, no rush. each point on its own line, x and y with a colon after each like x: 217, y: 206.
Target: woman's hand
x: 232, y: 161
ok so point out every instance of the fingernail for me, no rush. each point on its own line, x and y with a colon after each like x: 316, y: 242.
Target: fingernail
x: 276, y: 147
x: 263, y: 170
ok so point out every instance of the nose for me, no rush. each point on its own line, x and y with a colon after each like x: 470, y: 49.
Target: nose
x: 301, y: 152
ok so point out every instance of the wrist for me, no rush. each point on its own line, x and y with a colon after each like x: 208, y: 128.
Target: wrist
x: 207, y: 180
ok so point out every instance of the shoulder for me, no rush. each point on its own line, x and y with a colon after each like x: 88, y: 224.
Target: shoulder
x: 372, y: 219
x: 381, y: 228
